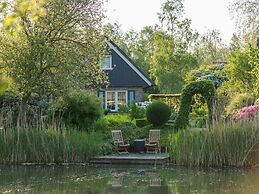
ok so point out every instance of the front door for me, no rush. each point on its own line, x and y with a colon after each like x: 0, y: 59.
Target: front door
x: 115, y: 99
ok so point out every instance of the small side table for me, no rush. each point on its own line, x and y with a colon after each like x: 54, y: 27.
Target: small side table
x: 139, y: 145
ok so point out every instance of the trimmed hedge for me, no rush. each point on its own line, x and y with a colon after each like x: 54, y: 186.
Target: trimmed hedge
x: 207, y: 89
x: 158, y: 113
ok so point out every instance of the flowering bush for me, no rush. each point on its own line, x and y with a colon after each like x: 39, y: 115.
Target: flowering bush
x: 248, y: 113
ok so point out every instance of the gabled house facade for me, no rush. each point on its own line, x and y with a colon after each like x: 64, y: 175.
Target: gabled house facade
x: 126, y: 80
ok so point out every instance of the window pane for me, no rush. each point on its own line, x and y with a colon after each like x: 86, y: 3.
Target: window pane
x: 111, y: 100
x: 131, y: 97
x: 106, y: 62
x: 121, y: 99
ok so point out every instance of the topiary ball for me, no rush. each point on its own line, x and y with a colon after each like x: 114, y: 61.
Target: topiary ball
x: 158, y: 113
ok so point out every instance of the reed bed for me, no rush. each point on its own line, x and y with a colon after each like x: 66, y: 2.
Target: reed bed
x: 224, y: 145
x: 50, y: 145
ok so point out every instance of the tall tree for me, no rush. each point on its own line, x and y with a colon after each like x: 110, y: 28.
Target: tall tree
x: 245, y: 13
x: 172, y: 20
x: 210, y: 48
x: 11, y: 11
x: 243, y: 70
x: 59, y: 51
x: 170, y: 66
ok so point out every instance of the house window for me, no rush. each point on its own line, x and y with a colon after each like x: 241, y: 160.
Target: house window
x: 106, y: 63
x: 121, y: 99
x: 131, y: 97
x: 111, y: 101
x: 115, y: 99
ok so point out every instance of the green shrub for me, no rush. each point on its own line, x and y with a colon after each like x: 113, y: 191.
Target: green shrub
x: 239, y: 101
x: 80, y: 109
x: 206, y: 89
x: 116, y: 119
x: 128, y: 130
x: 145, y: 97
x: 9, y: 98
x: 106, y: 111
x: 158, y: 113
x: 100, y: 125
x: 257, y: 101
x: 136, y: 112
x: 37, y: 109
x: 141, y: 122
x: 123, y: 109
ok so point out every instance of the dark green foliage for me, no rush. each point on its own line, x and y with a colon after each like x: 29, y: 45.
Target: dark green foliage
x: 106, y: 111
x: 128, y: 131
x: 123, y: 109
x: 141, y: 122
x: 10, y: 107
x: 136, y: 112
x: 158, y: 113
x: 207, y: 89
x: 9, y: 98
x: 80, y: 109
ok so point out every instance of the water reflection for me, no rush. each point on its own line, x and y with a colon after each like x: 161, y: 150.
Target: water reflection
x: 128, y: 180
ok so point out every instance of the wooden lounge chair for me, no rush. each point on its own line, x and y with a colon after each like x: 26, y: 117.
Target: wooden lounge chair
x: 117, y: 138
x: 152, y: 145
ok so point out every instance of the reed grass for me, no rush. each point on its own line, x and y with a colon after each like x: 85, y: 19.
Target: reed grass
x: 50, y: 145
x: 223, y: 145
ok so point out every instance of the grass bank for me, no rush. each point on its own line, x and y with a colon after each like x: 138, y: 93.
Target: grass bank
x: 50, y: 145
x: 225, y: 145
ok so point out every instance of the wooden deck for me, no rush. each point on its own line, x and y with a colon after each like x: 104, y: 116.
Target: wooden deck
x: 132, y: 158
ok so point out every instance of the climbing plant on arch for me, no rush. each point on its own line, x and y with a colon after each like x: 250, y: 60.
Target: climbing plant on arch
x: 204, y: 87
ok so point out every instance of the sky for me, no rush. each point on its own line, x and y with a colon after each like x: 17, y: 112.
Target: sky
x: 205, y: 14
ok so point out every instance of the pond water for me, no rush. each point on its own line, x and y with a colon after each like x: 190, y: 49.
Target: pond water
x: 116, y: 180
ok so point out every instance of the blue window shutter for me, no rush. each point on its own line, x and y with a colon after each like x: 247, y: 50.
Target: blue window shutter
x: 101, y: 94
x: 131, y: 96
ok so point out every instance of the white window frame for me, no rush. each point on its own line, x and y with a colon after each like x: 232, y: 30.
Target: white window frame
x: 108, y: 68
x: 116, y: 98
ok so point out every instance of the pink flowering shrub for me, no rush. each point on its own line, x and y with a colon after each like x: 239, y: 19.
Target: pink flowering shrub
x: 248, y: 113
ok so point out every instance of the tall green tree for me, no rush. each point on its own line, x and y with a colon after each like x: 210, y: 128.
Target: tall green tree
x: 243, y: 70
x: 210, y: 48
x: 173, y: 21
x: 142, y: 48
x: 11, y: 12
x: 170, y: 66
x: 171, y: 59
x: 59, y: 51
x: 245, y: 14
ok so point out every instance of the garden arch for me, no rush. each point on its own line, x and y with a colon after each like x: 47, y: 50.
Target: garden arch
x: 204, y: 87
